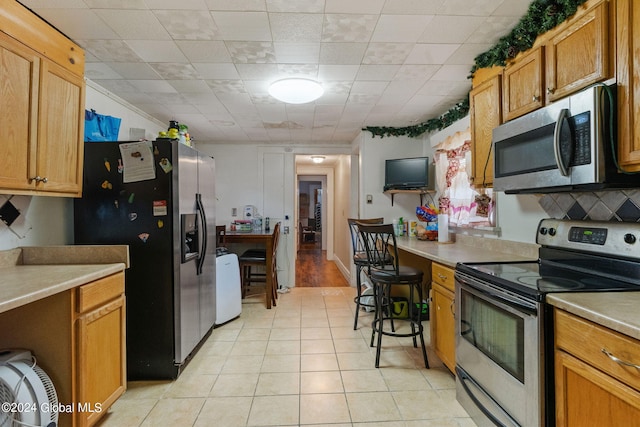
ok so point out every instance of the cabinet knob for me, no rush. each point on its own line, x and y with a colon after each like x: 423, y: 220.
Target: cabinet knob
x: 442, y: 276
x: 39, y: 179
x: 536, y: 98
x: 550, y: 90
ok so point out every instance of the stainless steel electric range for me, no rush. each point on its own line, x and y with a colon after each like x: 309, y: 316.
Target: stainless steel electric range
x: 504, y: 328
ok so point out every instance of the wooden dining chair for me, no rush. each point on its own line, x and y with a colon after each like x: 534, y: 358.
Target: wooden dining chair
x: 258, y: 258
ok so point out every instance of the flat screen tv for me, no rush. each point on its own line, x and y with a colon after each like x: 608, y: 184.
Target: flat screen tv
x: 406, y: 174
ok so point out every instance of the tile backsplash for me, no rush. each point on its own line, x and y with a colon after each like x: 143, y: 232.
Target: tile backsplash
x: 618, y: 205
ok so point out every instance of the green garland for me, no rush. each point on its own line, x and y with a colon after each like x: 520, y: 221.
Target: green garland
x: 542, y: 16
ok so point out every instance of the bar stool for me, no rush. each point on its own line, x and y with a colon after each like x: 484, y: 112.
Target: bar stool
x: 360, y: 260
x: 380, y: 244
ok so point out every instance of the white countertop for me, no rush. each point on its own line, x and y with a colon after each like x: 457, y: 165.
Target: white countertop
x: 615, y: 310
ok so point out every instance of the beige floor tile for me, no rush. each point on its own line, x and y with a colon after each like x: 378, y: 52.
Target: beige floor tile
x: 439, y: 378
x: 425, y: 405
x: 217, y: 348
x: 351, y: 345
x: 318, y: 362
x: 310, y: 322
x: 341, y: 321
x: 277, y: 383
x: 234, y: 385
x: 146, y: 389
x: 374, y: 406
x: 127, y: 413
x: 174, y: 412
x: 315, y: 334
x: 249, y: 348
x: 224, y: 334
x: 281, y: 363
x: 363, y: 381
x: 285, y: 334
x: 321, y: 382
x: 254, y: 334
x: 323, y: 408
x: 356, y: 361
x: 275, y: 411
x: 283, y: 347
x: 316, y: 346
x: 191, y: 385
x: 398, y: 379
x: 224, y: 411
x: 345, y: 332
x: 242, y: 365
x: 205, y: 364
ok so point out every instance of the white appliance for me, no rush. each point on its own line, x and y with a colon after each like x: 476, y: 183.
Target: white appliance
x: 228, y: 289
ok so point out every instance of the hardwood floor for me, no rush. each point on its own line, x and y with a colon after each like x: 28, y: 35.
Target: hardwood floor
x: 313, y: 269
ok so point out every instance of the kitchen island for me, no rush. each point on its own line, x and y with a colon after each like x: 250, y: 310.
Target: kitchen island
x: 66, y: 305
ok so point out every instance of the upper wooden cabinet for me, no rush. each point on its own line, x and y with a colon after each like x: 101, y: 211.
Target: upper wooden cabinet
x: 564, y: 60
x: 42, y: 113
x: 486, y: 110
x: 628, y: 77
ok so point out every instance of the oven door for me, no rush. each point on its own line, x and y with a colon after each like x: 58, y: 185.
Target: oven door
x: 498, y: 354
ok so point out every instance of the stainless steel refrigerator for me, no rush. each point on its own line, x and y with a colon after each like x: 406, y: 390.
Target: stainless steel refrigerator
x: 159, y: 198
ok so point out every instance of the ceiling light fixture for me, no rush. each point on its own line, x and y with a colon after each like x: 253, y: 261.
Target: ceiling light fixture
x: 296, y: 90
x: 317, y: 159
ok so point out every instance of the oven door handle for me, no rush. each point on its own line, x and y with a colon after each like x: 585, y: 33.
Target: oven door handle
x: 508, y: 298
x: 464, y: 379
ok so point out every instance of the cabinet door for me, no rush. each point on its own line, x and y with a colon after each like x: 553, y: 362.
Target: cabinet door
x: 443, y: 325
x: 523, y: 83
x: 628, y: 76
x: 578, y: 55
x: 19, y: 69
x: 586, y: 396
x: 60, y: 132
x: 101, y: 360
x: 486, y: 110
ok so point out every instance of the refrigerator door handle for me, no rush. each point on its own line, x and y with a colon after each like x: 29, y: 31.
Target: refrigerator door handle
x: 203, y: 218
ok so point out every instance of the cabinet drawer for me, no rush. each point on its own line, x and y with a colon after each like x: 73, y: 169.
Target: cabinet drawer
x: 100, y: 292
x: 587, y: 340
x: 443, y: 275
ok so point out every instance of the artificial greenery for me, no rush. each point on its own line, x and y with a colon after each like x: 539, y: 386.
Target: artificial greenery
x: 542, y: 16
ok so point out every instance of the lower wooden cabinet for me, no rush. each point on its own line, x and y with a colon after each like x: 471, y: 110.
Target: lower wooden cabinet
x: 442, y: 315
x: 101, y: 359
x: 592, y: 388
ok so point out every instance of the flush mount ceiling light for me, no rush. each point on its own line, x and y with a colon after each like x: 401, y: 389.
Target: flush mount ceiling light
x: 317, y: 159
x: 296, y: 90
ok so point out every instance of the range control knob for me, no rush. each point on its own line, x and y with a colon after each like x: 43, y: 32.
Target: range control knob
x: 543, y: 230
x: 629, y: 238
x: 552, y: 231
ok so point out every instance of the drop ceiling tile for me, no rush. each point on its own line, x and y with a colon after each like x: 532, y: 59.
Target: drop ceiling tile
x: 411, y: 7
x: 116, y: 86
x: 79, y: 24
x: 368, y: 87
x: 176, y: 71
x: 200, y: 24
x: 354, y: 6
x: 157, y: 50
x: 452, y: 73
x: 416, y: 72
x: 493, y: 28
x: 135, y: 70
x: 342, y: 53
x: 465, y: 7
x: 95, y: 70
x: 226, y: 86
x: 134, y: 24
x: 297, y: 53
x: 451, y: 29
x: 299, y: 70
x: 513, y: 8
x: 308, y: 6
x: 348, y: 27
x: 466, y: 54
x: 110, y: 50
x: 400, y: 28
x: 296, y: 27
x: 190, y: 86
x: 134, y: 98
x: 337, y: 72
x: 153, y: 86
x: 172, y: 4
x: 241, y: 5
x: 387, y: 53
x: 204, y: 51
x: 257, y: 71
x: 57, y: 4
x: 377, y: 72
x: 217, y: 71
x: 116, y: 4
x: 251, y: 52
x: 424, y: 53
x: 454, y: 88
x: 249, y: 26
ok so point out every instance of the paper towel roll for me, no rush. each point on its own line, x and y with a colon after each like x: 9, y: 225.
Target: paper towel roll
x: 443, y: 228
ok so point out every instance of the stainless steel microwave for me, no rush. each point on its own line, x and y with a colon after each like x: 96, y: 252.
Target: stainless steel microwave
x: 566, y: 146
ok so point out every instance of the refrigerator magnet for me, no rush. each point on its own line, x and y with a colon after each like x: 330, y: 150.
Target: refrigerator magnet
x: 165, y: 164
x: 144, y: 237
x: 160, y: 223
x: 133, y: 216
x: 160, y: 208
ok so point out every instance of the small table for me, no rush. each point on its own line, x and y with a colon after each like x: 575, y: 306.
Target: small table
x: 262, y: 237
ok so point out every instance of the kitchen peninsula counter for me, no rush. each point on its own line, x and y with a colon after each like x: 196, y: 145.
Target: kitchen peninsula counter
x: 469, y: 249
